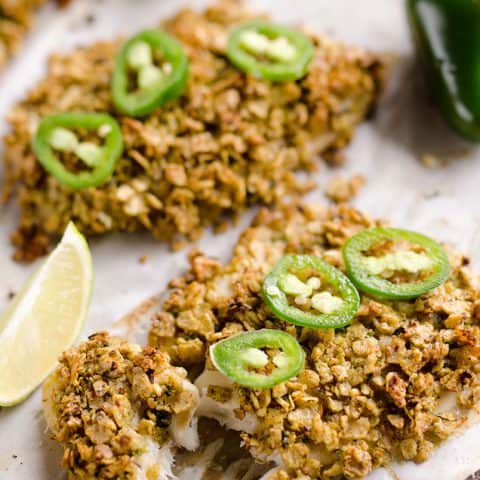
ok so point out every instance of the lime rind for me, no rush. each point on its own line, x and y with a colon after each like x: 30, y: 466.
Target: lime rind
x: 17, y: 313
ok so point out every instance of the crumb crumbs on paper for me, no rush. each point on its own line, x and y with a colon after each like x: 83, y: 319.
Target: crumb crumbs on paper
x: 221, y: 227
x: 430, y: 161
x: 90, y: 18
x: 428, y: 195
x: 341, y: 190
x: 335, y: 158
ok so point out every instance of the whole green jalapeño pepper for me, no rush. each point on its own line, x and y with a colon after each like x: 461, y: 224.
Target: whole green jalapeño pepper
x: 56, y: 133
x: 373, y: 257
x: 270, y: 51
x: 309, y: 292
x: 258, y: 359
x: 447, y: 35
x: 139, y: 84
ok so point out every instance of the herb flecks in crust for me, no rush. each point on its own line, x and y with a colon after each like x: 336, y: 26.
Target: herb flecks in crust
x: 113, y: 406
x: 371, y: 392
x: 229, y: 142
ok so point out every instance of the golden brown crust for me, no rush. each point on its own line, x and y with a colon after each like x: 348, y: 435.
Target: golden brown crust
x: 229, y: 142
x: 107, y: 400
x: 15, y: 21
x: 370, y: 393
x: 341, y: 190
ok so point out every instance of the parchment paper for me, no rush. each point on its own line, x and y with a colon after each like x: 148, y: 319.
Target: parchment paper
x: 441, y: 202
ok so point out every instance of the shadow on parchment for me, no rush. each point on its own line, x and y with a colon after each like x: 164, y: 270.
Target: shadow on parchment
x: 408, y: 116
x: 51, y: 452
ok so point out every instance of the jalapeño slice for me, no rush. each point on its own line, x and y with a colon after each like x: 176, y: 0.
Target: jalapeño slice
x: 270, y: 51
x: 258, y: 359
x: 430, y: 263
x: 55, y: 134
x: 285, y: 293
x: 155, y: 85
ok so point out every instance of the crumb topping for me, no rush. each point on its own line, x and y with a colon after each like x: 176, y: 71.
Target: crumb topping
x: 341, y: 190
x: 108, y: 401
x: 15, y: 21
x: 371, y: 393
x: 229, y: 142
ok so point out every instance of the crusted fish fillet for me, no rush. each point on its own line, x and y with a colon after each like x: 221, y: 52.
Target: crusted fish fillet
x: 118, y: 410
x: 230, y: 141
x: 326, y: 423
x: 380, y: 395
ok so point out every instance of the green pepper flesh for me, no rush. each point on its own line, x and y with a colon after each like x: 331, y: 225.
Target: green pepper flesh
x: 378, y: 286
x: 228, y: 356
x: 110, y: 152
x: 447, y: 35
x: 142, y: 102
x: 272, y: 70
x: 279, y: 303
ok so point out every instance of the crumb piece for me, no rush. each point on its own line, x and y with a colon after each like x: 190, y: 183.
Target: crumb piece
x: 429, y: 160
x: 90, y: 18
x: 341, y: 190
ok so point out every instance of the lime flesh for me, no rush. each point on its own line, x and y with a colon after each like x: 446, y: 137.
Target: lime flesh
x: 45, y: 318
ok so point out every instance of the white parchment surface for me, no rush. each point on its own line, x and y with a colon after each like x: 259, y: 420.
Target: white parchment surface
x: 443, y: 202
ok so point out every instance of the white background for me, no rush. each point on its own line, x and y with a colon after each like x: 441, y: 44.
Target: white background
x: 441, y: 202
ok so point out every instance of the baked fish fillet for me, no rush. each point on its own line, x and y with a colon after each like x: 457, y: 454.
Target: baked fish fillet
x: 394, y: 393
x: 118, y: 409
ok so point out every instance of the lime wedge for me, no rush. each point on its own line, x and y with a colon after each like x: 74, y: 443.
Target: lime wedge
x: 45, y: 318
